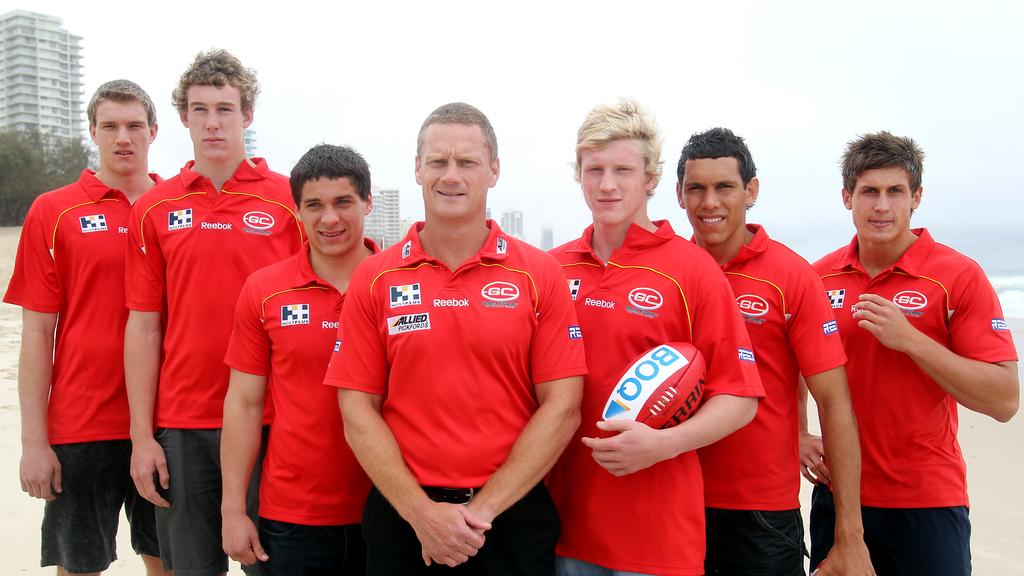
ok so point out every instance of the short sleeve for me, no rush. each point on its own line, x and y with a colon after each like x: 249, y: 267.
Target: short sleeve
x: 977, y: 328
x: 359, y: 361
x: 556, y: 350
x: 145, y: 268
x: 249, y: 345
x: 813, y: 332
x: 35, y: 284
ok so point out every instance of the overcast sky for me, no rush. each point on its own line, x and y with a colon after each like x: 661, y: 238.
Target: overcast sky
x: 797, y: 79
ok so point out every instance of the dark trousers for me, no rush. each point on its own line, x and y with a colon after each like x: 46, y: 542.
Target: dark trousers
x: 301, y: 550
x: 521, y: 541
x: 901, y: 541
x: 754, y: 542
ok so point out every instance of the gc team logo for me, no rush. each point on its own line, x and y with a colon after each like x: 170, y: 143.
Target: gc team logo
x: 178, y: 219
x: 258, y: 220
x: 500, y: 291
x: 292, y: 314
x: 93, y: 223
x: 646, y: 298
x: 752, y: 305
x: 910, y: 300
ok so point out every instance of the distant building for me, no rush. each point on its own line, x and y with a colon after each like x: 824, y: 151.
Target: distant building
x: 489, y: 214
x: 384, y: 224
x: 512, y: 223
x: 404, y: 225
x: 40, y: 75
x: 547, y: 238
x: 250, y: 143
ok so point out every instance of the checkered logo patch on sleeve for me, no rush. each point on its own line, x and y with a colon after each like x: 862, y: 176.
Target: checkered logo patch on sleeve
x: 292, y: 314
x: 93, y: 223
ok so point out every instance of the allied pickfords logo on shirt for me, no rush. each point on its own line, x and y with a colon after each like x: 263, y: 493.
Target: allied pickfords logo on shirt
x: 643, y: 301
x: 256, y: 222
x: 911, y: 302
x: 753, y: 308
x: 574, y: 287
x: 837, y: 297
x: 500, y: 295
x: 93, y: 223
x: 292, y: 314
x: 178, y: 219
x: 405, y: 295
x: 408, y: 323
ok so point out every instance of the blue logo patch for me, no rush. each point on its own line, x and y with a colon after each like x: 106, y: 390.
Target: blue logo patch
x: 746, y: 355
x: 575, y: 333
x: 292, y: 314
x: 337, y: 345
x: 999, y: 324
x: 830, y: 327
x: 405, y: 295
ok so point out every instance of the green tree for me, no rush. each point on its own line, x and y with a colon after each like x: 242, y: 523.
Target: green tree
x: 32, y: 163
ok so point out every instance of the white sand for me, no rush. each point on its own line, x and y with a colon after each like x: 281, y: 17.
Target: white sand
x: 994, y: 453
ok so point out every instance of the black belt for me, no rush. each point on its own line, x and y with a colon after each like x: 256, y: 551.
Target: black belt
x: 450, y: 495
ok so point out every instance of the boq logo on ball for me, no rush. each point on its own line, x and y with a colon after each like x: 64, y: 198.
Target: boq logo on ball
x: 661, y: 388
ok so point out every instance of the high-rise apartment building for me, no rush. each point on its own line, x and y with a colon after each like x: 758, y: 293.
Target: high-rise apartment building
x: 547, y: 238
x: 250, y: 142
x: 384, y: 225
x: 40, y: 75
x: 512, y: 223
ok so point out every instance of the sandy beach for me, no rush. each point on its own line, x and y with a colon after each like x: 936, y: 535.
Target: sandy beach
x: 994, y: 453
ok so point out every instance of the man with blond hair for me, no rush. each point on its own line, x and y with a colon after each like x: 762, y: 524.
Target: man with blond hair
x: 925, y: 334
x: 194, y: 241
x: 459, y: 366
x: 68, y: 279
x: 630, y: 496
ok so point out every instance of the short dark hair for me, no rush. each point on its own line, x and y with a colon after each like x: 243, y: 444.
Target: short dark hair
x: 461, y: 113
x: 121, y: 91
x: 882, y: 150
x: 332, y: 162
x: 718, y: 143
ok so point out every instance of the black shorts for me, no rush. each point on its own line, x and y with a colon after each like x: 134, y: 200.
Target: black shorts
x: 754, y: 542
x: 521, y: 541
x: 932, y: 541
x: 79, y: 531
x: 301, y: 550
x: 190, y: 530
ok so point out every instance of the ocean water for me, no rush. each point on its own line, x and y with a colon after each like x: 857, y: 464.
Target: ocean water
x: 1010, y: 289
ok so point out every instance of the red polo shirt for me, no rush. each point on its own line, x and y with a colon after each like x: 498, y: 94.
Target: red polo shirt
x: 910, y: 457
x: 456, y: 353
x: 70, y: 262
x: 286, y: 325
x: 191, y: 250
x: 656, y: 288
x: 794, y: 332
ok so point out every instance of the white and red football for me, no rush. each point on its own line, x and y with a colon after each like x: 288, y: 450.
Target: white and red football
x: 661, y: 388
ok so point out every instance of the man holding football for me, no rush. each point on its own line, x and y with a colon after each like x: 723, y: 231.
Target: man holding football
x: 630, y: 496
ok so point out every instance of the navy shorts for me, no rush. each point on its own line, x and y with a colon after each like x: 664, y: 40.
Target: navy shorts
x: 79, y: 531
x: 754, y: 542
x: 901, y: 541
x: 190, y: 530
x: 302, y: 550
